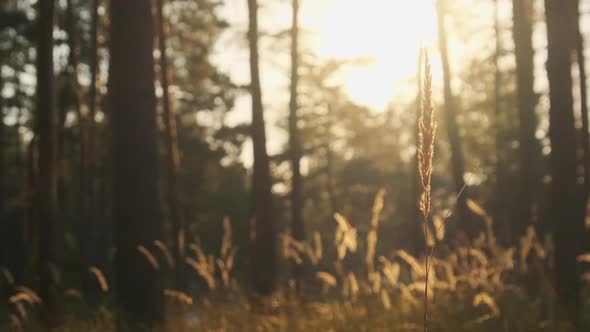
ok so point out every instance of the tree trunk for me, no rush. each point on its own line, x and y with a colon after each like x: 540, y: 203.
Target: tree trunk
x: 568, y: 223
x: 12, y: 245
x: 297, y: 223
x: 450, y: 114
x: 47, y: 197
x: 136, y: 212
x: 501, y: 220
x: 84, y: 225
x: 77, y: 104
x: 523, y: 11
x: 585, y: 136
x: 93, y: 246
x: 329, y: 155
x: 92, y: 94
x: 2, y: 155
x: 172, y: 153
x: 3, y: 221
x: 263, y: 250
x: 32, y: 179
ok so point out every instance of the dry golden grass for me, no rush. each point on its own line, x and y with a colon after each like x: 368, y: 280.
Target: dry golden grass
x: 427, y: 133
x: 471, y: 286
x: 372, y: 234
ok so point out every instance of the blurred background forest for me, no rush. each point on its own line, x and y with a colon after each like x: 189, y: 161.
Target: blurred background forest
x: 244, y: 165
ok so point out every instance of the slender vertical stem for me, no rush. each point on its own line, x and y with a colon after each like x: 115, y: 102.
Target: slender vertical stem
x: 426, y: 275
x: 427, y: 133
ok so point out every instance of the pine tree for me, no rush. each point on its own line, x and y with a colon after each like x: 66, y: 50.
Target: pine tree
x: 172, y: 153
x: 136, y: 213
x: 263, y: 253
x: 47, y: 131
x: 297, y: 223
x: 567, y: 222
x: 523, y: 11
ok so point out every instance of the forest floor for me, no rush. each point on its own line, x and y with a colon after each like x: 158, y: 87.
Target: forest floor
x: 480, y: 287
x: 446, y: 313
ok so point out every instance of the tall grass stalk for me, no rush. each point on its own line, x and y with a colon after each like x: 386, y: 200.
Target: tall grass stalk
x: 427, y: 133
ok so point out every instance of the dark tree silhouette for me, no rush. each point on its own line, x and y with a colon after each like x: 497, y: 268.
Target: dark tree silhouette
x: 75, y: 93
x: 2, y: 154
x: 501, y: 209
x: 47, y: 131
x: 528, y: 169
x: 297, y: 223
x: 93, y: 227
x: 263, y: 253
x: 2, y: 170
x: 136, y: 213
x: 172, y: 154
x: 567, y: 221
x: 581, y: 62
x: 92, y: 94
x: 76, y: 97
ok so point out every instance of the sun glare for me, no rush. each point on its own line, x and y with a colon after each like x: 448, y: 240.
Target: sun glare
x: 386, y: 33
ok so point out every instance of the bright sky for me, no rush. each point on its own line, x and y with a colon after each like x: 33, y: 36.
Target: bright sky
x: 387, y: 33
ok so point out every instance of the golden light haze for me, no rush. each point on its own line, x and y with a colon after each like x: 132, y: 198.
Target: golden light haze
x: 387, y: 33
